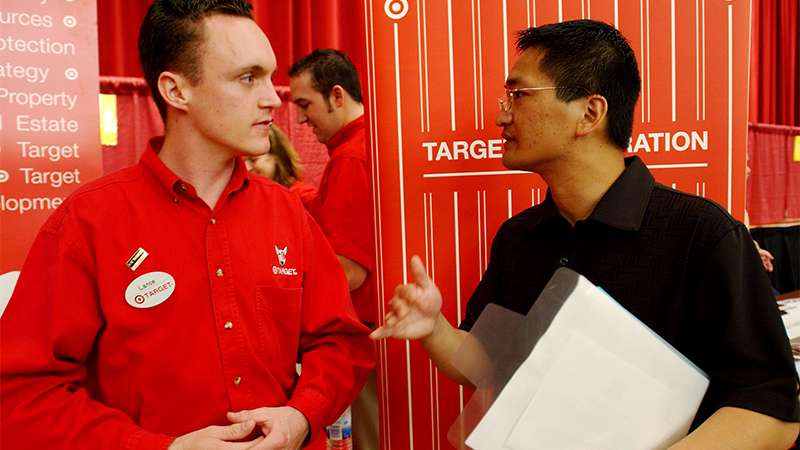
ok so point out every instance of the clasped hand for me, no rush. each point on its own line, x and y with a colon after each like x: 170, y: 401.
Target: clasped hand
x: 283, y: 428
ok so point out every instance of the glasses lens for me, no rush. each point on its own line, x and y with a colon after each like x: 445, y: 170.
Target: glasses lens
x: 505, y: 102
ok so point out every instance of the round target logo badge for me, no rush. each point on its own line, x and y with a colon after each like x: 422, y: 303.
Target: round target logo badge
x: 150, y: 289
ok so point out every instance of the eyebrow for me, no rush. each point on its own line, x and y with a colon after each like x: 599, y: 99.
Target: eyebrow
x: 253, y: 68
x: 511, y: 82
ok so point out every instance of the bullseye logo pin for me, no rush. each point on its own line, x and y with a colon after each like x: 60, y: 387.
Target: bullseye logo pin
x: 150, y: 289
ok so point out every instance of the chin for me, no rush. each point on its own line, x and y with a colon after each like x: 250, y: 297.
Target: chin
x: 509, y: 162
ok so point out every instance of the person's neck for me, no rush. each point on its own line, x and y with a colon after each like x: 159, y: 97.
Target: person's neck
x: 353, y: 111
x: 190, y: 157
x: 577, y: 185
x: 345, y: 115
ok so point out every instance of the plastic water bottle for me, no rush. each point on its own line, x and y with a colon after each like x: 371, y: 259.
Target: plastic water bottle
x: 338, y: 436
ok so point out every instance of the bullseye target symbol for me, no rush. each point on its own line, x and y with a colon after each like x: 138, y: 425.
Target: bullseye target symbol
x: 396, y: 9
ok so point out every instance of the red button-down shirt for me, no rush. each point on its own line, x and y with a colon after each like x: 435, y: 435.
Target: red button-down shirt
x: 213, y: 318
x: 342, y: 208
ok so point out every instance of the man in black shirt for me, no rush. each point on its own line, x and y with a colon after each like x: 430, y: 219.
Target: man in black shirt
x: 678, y: 262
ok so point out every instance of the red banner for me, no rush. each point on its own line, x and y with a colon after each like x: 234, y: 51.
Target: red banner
x: 435, y: 72
x: 50, y: 141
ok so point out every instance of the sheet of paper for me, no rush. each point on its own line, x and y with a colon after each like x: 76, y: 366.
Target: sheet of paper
x: 791, y: 320
x: 790, y: 313
x: 589, y: 390
x: 599, y: 319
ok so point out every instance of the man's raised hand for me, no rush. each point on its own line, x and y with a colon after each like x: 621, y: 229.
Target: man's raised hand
x: 414, y: 309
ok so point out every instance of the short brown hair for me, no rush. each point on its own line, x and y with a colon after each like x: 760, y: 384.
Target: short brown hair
x: 172, y: 34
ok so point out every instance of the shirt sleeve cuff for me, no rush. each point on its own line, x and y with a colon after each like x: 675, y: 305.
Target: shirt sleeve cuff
x: 313, y: 406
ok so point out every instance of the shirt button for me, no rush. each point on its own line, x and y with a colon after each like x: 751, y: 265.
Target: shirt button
x: 237, y: 380
x: 175, y: 199
x: 563, y: 262
x: 219, y: 272
x: 228, y: 325
x: 183, y: 186
x: 213, y: 221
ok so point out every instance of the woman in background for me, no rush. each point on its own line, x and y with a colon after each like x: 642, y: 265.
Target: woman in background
x: 282, y: 165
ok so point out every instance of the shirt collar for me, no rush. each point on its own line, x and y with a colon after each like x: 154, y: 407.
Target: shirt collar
x: 173, y: 183
x: 345, y: 134
x: 624, y: 205
x: 155, y: 166
x: 548, y: 209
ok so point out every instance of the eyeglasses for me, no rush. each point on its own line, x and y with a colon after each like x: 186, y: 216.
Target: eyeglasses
x: 510, y: 94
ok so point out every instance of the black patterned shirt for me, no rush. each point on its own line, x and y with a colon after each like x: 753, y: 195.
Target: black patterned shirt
x: 678, y: 262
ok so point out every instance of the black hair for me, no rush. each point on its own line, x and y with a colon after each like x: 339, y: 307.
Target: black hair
x: 329, y: 68
x: 595, y: 56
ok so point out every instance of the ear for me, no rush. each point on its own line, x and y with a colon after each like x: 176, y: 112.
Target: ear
x: 337, y: 96
x: 595, y: 109
x: 172, y: 87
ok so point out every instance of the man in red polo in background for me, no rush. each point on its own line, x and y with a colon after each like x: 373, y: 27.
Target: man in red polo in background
x: 324, y: 86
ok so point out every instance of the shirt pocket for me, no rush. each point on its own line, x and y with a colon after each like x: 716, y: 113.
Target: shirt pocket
x: 279, y: 326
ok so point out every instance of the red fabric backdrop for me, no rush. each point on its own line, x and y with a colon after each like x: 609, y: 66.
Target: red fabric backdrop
x: 294, y: 27
x: 137, y: 121
x: 774, y: 63
x: 774, y: 184
x: 773, y: 190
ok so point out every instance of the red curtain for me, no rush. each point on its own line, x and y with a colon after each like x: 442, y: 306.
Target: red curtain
x: 774, y: 63
x: 294, y: 27
x: 137, y: 121
x: 773, y: 188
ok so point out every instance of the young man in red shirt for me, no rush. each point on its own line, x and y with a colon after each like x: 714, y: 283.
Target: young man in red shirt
x: 324, y: 86
x: 166, y: 305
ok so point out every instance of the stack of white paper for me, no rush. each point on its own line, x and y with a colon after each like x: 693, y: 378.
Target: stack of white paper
x: 597, y: 378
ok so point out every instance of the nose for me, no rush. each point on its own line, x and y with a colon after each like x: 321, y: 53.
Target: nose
x: 301, y: 116
x: 270, y: 98
x: 503, y: 118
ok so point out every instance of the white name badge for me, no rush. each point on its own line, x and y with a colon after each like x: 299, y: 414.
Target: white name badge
x: 150, y: 289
